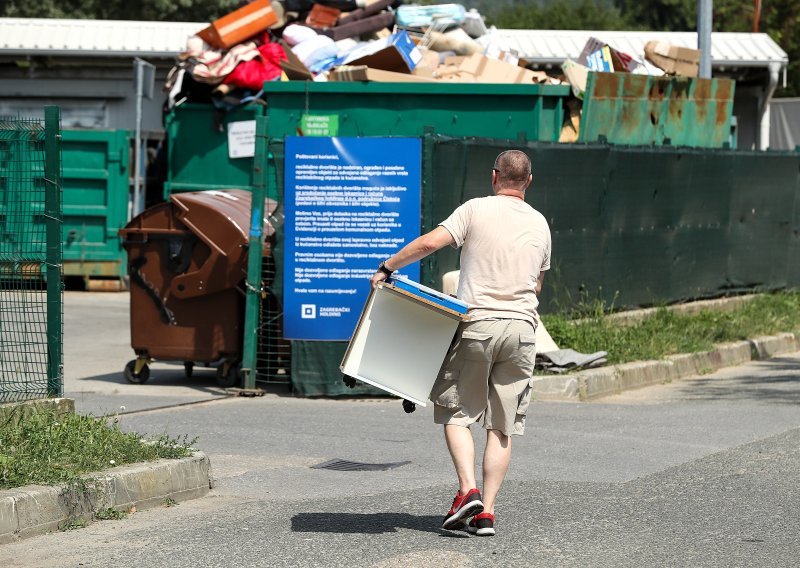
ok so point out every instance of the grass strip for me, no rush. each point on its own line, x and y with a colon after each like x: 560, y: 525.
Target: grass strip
x: 39, y: 445
x: 668, y: 333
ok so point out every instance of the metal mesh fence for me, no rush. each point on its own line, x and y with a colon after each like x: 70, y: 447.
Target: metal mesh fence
x: 30, y: 264
x: 273, y: 352
x: 273, y: 356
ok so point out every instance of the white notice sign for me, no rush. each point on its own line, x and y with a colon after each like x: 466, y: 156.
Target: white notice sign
x: 242, y: 139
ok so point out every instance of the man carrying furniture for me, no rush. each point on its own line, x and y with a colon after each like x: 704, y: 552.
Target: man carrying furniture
x: 487, y: 373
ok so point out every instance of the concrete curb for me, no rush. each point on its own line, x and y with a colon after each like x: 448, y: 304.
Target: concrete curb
x: 35, y: 509
x: 604, y: 381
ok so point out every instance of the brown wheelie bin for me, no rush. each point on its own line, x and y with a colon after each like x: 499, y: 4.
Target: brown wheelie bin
x: 187, y: 262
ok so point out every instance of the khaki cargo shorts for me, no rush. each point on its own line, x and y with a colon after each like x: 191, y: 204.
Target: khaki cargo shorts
x: 488, y: 374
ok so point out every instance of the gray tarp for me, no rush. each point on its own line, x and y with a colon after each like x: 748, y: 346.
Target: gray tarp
x: 784, y: 124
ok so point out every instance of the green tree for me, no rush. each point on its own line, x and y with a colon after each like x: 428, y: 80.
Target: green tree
x: 147, y: 10
x: 659, y: 15
x: 779, y: 19
x: 561, y: 15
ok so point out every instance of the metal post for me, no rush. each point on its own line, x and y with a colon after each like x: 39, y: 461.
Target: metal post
x: 255, y: 245
x: 704, y: 22
x: 53, y: 261
x: 137, y: 152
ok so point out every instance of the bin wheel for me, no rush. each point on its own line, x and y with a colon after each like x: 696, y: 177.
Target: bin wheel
x: 229, y: 379
x: 409, y: 406
x: 188, y: 368
x: 135, y: 378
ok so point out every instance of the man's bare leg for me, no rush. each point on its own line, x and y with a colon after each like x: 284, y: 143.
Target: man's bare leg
x: 496, y: 458
x: 462, y: 450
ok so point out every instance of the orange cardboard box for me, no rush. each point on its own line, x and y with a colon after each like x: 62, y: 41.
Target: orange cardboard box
x: 240, y: 25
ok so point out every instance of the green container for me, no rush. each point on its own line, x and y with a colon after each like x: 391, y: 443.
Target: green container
x: 622, y: 108
x: 198, y: 152
x: 95, y: 166
x: 94, y: 197
x: 516, y: 112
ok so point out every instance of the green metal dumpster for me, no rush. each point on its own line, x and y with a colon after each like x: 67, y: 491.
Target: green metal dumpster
x: 95, y: 184
x: 95, y: 201
x: 622, y: 108
x: 516, y: 112
x: 200, y: 155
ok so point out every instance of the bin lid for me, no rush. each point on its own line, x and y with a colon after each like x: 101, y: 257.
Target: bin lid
x: 218, y: 218
x: 202, y: 208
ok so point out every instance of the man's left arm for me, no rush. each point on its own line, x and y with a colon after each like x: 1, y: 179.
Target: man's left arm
x: 539, y: 282
x: 416, y: 250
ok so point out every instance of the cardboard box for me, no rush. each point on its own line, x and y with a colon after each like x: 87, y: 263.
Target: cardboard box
x: 672, y: 58
x: 364, y: 73
x: 487, y: 70
x: 240, y: 25
x: 618, y: 60
x: 577, y: 75
x: 571, y: 129
x: 600, y: 60
x: 294, y: 69
x: 396, y: 53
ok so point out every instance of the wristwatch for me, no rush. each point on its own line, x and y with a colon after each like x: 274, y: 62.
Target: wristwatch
x: 386, y: 271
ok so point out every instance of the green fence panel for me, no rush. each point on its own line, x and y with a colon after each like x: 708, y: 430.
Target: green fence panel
x: 198, y: 154
x: 638, y: 225
x: 95, y: 179
x: 622, y: 108
x: 30, y: 258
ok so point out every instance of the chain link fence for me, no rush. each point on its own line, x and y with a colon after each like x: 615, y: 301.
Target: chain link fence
x: 31, y: 306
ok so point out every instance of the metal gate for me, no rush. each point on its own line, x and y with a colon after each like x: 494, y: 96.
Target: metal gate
x: 31, y: 305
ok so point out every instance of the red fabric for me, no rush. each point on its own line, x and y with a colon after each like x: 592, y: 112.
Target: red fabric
x: 252, y: 74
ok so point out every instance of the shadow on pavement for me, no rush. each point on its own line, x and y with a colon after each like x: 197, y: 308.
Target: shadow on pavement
x: 782, y: 386
x: 204, y: 379
x: 366, y: 523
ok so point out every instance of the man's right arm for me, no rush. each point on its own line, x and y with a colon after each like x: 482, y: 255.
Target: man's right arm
x: 416, y: 250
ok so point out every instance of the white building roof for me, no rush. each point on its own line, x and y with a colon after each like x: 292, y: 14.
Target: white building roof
x: 118, y: 38
x: 727, y: 49
x: 103, y: 38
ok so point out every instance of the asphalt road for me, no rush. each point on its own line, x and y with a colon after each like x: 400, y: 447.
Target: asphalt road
x: 701, y: 472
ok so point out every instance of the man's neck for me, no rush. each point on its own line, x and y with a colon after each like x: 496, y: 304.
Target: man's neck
x: 511, y: 193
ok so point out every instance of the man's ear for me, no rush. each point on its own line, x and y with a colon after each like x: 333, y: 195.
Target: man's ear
x: 530, y: 179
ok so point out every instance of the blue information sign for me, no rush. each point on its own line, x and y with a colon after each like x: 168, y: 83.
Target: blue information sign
x: 350, y: 203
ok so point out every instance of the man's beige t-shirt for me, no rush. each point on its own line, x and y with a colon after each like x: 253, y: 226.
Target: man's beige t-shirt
x: 505, y: 245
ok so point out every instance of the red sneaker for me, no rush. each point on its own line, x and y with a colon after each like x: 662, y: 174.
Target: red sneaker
x: 464, y: 506
x: 481, y: 525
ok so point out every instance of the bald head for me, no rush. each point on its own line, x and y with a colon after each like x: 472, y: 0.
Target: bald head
x: 513, y: 169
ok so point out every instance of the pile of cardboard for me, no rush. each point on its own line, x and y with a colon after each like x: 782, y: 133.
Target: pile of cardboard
x: 601, y: 57
x: 598, y: 56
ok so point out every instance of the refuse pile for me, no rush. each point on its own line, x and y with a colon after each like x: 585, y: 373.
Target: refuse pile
x: 552, y: 359
x: 228, y: 62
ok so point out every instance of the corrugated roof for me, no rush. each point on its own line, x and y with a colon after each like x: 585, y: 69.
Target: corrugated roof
x: 105, y: 38
x: 727, y: 49
x: 35, y: 36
